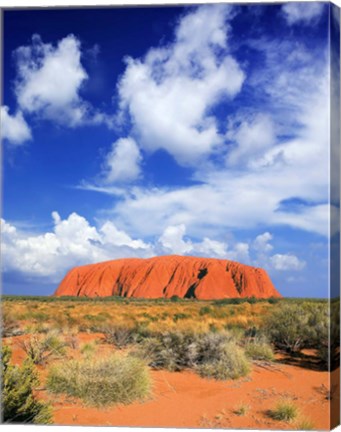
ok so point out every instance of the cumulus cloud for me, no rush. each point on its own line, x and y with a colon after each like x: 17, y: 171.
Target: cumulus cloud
x: 14, y: 128
x: 302, y: 12
x: 169, y: 92
x: 74, y: 241
x: 261, y: 242
x: 122, y: 163
x: 49, y: 81
x: 250, y: 139
x: 286, y: 262
x: 269, y: 154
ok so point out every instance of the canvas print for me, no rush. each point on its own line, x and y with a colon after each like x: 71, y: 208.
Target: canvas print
x: 170, y: 228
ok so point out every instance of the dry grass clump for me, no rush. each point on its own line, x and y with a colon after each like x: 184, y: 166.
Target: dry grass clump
x: 259, y: 349
x: 305, y: 424
x: 39, y: 348
x: 9, y: 325
x: 242, y: 410
x: 231, y: 364
x: 212, y: 355
x: 101, y: 382
x: 284, y: 411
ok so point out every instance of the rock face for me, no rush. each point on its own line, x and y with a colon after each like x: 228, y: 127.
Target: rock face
x: 167, y: 276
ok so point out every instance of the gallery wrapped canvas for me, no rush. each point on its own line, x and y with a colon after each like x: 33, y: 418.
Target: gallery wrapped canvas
x: 170, y: 231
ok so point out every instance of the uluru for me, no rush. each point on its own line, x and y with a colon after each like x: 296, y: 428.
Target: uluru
x: 166, y: 277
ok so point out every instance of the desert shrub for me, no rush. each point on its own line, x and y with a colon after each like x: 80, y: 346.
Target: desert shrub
x: 39, y: 349
x: 305, y: 424
x: 241, y: 410
x: 205, y: 310
x: 301, y: 325
x: 100, y: 382
x: 213, y: 355
x: 18, y: 403
x: 119, y: 335
x: 284, y: 411
x: 286, y: 327
x: 167, y: 350
x: 231, y: 364
x: 259, y: 349
x: 9, y: 325
x: 180, y: 316
x: 88, y: 349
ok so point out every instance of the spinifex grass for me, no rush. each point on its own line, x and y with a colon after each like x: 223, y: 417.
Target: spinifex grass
x: 101, y: 382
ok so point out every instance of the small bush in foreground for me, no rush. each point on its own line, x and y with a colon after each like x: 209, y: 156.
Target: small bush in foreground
x: 100, y: 382
x: 39, y: 349
x: 259, y: 350
x: 305, y: 424
x: 284, y: 411
x: 241, y: 410
x: 18, y: 402
x: 231, y: 364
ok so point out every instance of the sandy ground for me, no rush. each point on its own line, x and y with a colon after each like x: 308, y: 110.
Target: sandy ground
x: 183, y: 399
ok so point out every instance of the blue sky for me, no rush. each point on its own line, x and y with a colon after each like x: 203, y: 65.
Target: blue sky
x: 170, y: 130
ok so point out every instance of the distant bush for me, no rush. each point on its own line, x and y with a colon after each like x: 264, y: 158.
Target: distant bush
x: 119, y: 335
x: 259, y: 349
x: 101, y: 382
x: 284, y: 411
x: 18, y: 403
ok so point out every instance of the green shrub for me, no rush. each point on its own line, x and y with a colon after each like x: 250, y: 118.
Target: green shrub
x: 119, y: 335
x: 286, y: 327
x: 231, y: 364
x: 101, y: 382
x: 39, y: 348
x: 167, y: 350
x: 9, y: 324
x: 211, y: 354
x: 305, y: 424
x: 18, y: 403
x: 205, y: 310
x: 284, y: 411
x: 88, y: 349
x: 259, y: 349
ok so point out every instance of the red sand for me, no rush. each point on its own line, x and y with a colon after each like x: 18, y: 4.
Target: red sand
x: 183, y: 399
x: 167, y: 276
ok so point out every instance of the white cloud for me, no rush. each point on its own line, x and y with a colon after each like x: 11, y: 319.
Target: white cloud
x: 122, y: 163
x: 302, y: 12
x: 252, y: 139
x: 261, y: 242
x: 172, y: 240
x: 14, y: 127
x: 72, y: 241
x: 286, y: 262
x: 169, y: 92
x: 49, y: 80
